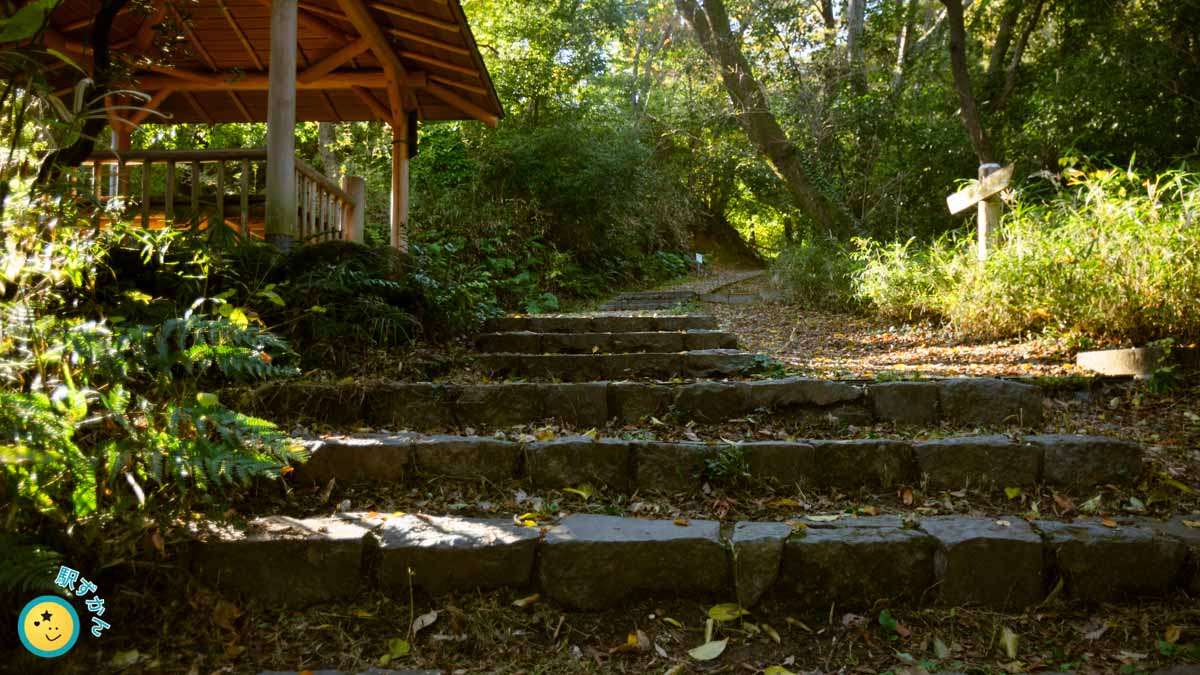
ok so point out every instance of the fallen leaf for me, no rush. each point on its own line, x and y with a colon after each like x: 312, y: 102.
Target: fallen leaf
x: 423, y: 621
x: 398, y: 648
x: 772, y: 633
x: 673, y: 622
x: 824, y: 519
x: 1172, y: 634
x: 1192, y: 523
x: 224, y: 613
x: 907, y: 496
x: 586, y: 491
x: 709, y: 650
x: 782, y: 503
x: 727, y: 612
x: 125, y: 659
x: 777, y: 670
x: 1012, y: 492
x: 940, y: 650
x: 526, y: 601
x: 682, y: 522
x: 1108, y: 522
x: 1064, y: 503
x: 1010, y: 641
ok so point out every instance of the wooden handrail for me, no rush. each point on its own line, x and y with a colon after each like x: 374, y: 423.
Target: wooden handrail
x: 322, y: 180
x: 141, y: 156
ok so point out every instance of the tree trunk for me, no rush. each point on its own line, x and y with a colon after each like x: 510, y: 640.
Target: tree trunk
x: 327, y: 142
x: 962, y: 82
x: 856, y: 15
x: 711, y: 25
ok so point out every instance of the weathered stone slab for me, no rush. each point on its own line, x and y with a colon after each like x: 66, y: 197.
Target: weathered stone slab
x: 624, y: 324
x: 591, y: 562
x: 565, y: 367
x: 375, y: 457
x: 340, y: 404
x: 418, y: 405
x: 855, y: 564
x: 1088, y: 461
x: 990, y: 402
x: 453, y: 554
x: 914, y: 403
x: 506, y: 324
x: 576, y: 460
x: 1177, y: 529
x: 658, y: 366
x: 865, y: 462
x: 576, y: 343
x: 1103, y: 564
x: 582, y: 405
x: 709, y: 339
x: 469, y: 457
x: 721, y: 363
x: 782, y: 463
x: 662, y: 343
x: 985, y: 561
x: 670, y: 467
x: 757, y: 556
x: 369, y: 671
x: 691, y: 322
x: 500, y: 364
x: 631, y: 402
x: 492, y: 405
x: 284, y: 562
x: 511, y: 343
x: 711, y: 401
x: 800, y: 392
x: 952, y: 463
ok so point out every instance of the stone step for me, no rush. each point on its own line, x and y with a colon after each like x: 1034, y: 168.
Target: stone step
x: 604, y: 343
x: 591, y: 562
x: 968, y: 402
x: 598, y: 323
x: 1080, y: 462
x: 596, y: 367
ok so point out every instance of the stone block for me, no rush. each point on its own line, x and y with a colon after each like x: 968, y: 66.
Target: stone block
x: 911, y: 403
x: 757, y: 556
x: 1103, y: 564
x: 661, y: 343
x: 284, y: 562
x: 670, y: 467
x: 800, y: 392
x: 631, y: 402
x: 510, y: 343
x: 709, y: 339
x: 624, y: 324
x: 565, y: 367
x: 855, y: 565
x: 1087, y: 461
x: 627, y: 366
x: 720, y: 363
x: 453, y: 554
x: 688, y: 322
x: 576, y: 343
x: 867, y: 462
x: 711, y: 401
x: 417, y: 406
x: 952, y: 463
x: 990, y: 402
x: 591, y: 562
x: 1175, y: 528
x: 497, y: 405
x: 327, y: 403
x: 575, y: 460
x: 350, y: 459
x: 581, y: 405
x: 467, y: 457
x: 780, y: 463
x: 983, y: 561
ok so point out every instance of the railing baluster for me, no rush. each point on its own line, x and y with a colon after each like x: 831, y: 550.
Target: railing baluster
x: 246, y: 197
x: 169, y: 212
x: 195, y: 193
x: 220, y: 194
x: 98, y: 181
x: 146, y: 194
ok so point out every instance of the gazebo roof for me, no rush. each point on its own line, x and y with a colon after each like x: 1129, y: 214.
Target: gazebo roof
x: 220, y: 73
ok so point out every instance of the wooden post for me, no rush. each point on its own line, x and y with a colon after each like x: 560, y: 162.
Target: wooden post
x: 245, y: 222
x: 146, y: 166
x: 195, y: 219
x: 122, y: 142
x: 356, y: 214
x: 169, y: 195
x: 400, y: 181
x: 282, y: 207
x: 989, y: 215
x: 220, y: 195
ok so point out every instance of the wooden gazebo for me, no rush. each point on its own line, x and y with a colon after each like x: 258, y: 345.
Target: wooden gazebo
x: 284, y: 61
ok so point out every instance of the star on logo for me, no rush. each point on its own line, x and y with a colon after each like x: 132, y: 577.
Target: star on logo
x: 45, y: 616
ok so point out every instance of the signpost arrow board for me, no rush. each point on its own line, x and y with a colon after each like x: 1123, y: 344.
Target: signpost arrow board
x: 972, y: 195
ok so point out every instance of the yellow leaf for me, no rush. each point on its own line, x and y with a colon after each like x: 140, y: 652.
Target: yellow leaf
x: 777, y: 670
x: 783, y: 503
x: 1010, y: 640
x: 1192, y: 523
x: 1012, y: 492
x: 1108, y: 522
x: 530, y: 523
x: 673, y: 622
x: 1172, y: 634
x: 682, y: 522
x: 774, y: 634
x: 727, y: 612
x: 709, y: 650
x: 526, y: 601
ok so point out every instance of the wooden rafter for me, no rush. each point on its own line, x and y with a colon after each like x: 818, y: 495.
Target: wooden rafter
x: 372, y: 79
x: 144, y: 38
x: 381, y: 111
x: 241, y: 34
x: 193, y: 39
x: 440, y: 63
x: 462, y: 104
x: 87, y: 21
x: 440, y: 44
x: 149, y: 107
x: 365, y: 24
x: 330, y: 63
x: 195, y: 103
x: 237, y: 101
x: 474, y: 89
x: 414, y: 16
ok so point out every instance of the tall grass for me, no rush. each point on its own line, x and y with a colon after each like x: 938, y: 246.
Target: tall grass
x: 1110, y: 255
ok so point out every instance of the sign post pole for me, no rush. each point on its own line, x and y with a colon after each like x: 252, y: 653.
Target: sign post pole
x: 989, y: 214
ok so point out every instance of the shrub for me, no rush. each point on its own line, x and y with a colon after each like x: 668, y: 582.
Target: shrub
x: 815, y: 273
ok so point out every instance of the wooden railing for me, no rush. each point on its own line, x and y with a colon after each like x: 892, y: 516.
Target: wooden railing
x: 188, y: 187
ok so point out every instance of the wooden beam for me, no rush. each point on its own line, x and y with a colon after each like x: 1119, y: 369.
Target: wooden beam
x: 381, y: 111
x: 415, y: 16
x: 144, y: 38
x: 150, y: 106
x: 440, y: 63
x: 330, y: 63
x: 87, y: 21
x: 462, y: 104
x: 189, y: 75
x: 400, y: 183
x: 474, y: 89
x: 191, y: 99
x: 440, y: 44
x: 371, y: 79
x: 282, y: 227
x: 237, y: 101
x: 365, y: 24
x: 193, y: 39
x: 314, y: 23
x: 241, y: 34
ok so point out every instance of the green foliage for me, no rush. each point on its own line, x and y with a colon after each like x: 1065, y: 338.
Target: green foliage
x: 815, y: 273
x: 1111, y: 255
x: 728, y: 465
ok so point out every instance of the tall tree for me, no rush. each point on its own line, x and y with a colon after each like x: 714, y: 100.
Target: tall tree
x: 962, y: 82
x: 710, y: 22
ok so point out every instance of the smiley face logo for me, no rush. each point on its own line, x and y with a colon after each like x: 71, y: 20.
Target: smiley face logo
x: 48, y: 626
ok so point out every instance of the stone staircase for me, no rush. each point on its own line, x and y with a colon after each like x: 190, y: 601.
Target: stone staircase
x: 590, y: 561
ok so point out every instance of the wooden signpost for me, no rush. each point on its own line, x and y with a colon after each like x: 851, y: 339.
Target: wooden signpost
x: 985, y: 193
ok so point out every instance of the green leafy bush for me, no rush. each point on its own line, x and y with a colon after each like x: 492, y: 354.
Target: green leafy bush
x: 815, y: 273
